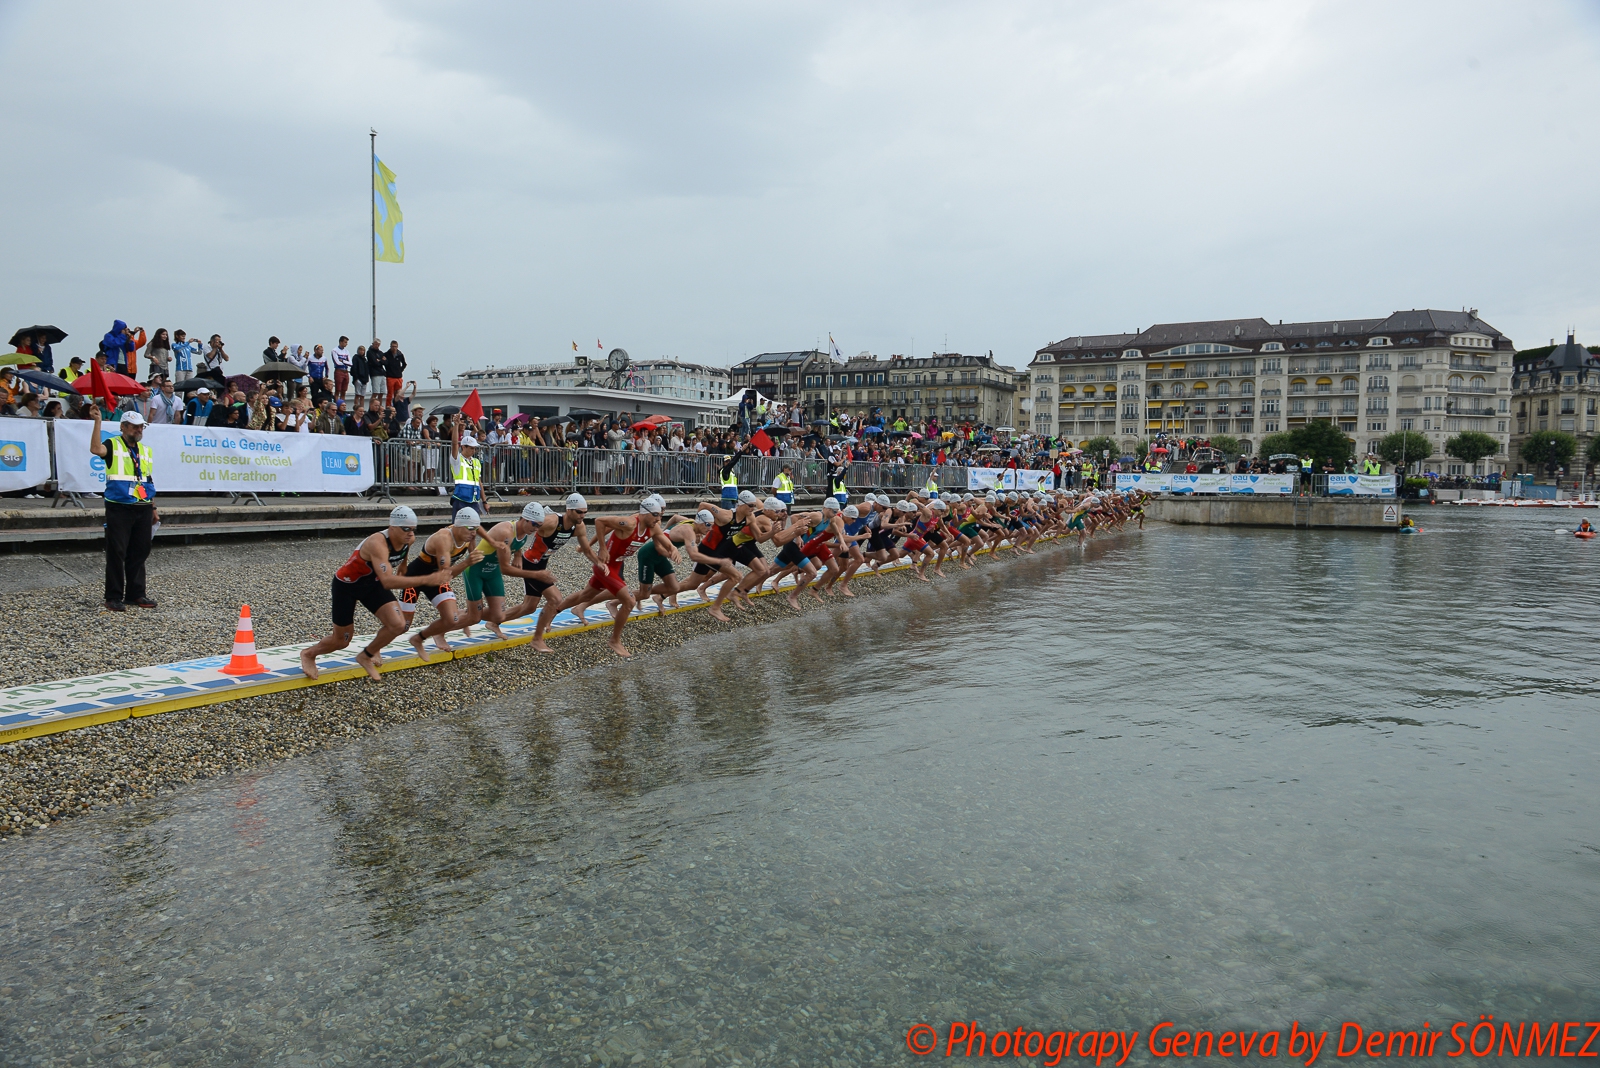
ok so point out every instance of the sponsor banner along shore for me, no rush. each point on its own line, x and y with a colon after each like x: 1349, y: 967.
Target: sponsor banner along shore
x: 1361, y: 485
x: 1171, y: 482
x: 195, y: 459
x: 983, y: 479
x: 24, y: 453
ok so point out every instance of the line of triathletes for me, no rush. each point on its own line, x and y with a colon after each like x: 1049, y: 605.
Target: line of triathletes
x: 821, y: 549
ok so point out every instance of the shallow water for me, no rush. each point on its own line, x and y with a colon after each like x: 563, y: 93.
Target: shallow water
x: 1232, y: 778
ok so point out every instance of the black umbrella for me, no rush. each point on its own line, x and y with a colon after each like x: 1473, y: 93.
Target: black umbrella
x: 555, y: 420
x: 778, y: 431
x: 189, y: 385
x: 445, y: 409
x: 49, y: 335
x: 820, y: 422
x: 47, y: 380
x: 585, y: 413
x: 278, y: 370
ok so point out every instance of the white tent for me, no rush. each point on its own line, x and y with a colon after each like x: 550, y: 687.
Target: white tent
x: 761, y: 398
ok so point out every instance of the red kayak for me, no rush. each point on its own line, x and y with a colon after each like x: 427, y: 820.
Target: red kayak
x: 1583, y: 533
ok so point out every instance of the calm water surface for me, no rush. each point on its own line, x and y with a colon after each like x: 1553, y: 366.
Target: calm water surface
x: 1233, y: 778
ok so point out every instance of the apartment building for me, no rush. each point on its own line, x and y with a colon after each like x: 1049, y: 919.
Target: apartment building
x: 1555, y: 388
x: 664, y: 377
x: 955, y: 387
x: 1435, y: 372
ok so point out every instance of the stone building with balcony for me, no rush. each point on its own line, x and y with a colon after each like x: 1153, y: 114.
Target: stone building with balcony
x: 1434, y: 372
x: 1555, y: 388
x: 952, y: 386
x: 778, y: 374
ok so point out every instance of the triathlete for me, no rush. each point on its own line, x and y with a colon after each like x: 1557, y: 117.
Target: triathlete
x: 681, y: 530
x: 486, y: 580
x: 789, y: 538
x: 532, y: 565
x: 825, y: 541
x: 621, y: 537
x: 451, y: 547
x: 758, y: 527
x: 376, y: 567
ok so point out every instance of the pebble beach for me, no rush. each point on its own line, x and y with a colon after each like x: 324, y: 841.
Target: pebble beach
x: 55, y: 628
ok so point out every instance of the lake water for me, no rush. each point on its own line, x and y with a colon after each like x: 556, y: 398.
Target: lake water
x: 1230, y: 778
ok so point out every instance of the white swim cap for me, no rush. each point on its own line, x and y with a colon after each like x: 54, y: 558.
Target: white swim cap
x: 402, y: 517
x: 533, y: 512
x: 852, y: 512
x: 883, y: 499
x: 467, y: 517
x: 939, y: 506
x: 991, y: 498
x: 662, y: 501
x: 747, y: 497
x: 650, y: 505
x: 772, y: 504
x: 705, y: 518
x: 575, y: 500
x: 830, y: 504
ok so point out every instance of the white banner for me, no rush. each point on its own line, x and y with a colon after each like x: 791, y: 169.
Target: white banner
x: 1361, y: 485
x: 1163, y: 482
x: 1262, y: 484
x: 192, y: 459
x: 980, y: 479
x: 1036, y: 480
x: 1148, y: 481
x: 24, y: 453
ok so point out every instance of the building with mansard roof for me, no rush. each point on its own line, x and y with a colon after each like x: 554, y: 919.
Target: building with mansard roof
x: 1555, y: 388
x: 1435, y: 372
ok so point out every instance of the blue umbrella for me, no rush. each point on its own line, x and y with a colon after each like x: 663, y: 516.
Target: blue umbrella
x: 872, y: 430
x: 47, y: 380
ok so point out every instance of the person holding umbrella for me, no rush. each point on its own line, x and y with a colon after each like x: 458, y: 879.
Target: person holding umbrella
x: 130, y: 509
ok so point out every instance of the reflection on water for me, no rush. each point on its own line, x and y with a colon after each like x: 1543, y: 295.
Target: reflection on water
x: 1232, y: 778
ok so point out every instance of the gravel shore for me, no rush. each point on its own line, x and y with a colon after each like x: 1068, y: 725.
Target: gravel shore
x: 61, y: 632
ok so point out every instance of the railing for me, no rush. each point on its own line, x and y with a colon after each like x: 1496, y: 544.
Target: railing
x: 424, y: 467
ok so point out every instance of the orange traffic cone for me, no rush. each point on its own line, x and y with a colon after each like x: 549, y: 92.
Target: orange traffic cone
x: 245, y: 661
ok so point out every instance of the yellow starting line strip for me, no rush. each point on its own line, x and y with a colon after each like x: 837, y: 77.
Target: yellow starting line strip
x: 69, y: 704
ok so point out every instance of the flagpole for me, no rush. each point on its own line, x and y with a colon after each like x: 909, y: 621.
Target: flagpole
x: 372, y: 216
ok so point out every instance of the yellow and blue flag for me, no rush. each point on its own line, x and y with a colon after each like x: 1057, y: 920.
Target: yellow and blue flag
x: 389, y: 243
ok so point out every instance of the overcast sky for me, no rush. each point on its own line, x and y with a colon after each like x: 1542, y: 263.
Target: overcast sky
x: 711, y: 180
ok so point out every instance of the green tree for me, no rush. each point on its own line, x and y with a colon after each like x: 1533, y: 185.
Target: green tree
x: 1273, y: 444
x: 1470, y: 446
x: 1404, y: 448
x: 1323, y: 442
x: 1142, y: 449
x: 1095, y: 446
x: 1550, y: 448
x: 1228, y: 445
x: 1594, y: 451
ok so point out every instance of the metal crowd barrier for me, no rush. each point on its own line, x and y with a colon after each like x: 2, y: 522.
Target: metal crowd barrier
x: 424, y: 467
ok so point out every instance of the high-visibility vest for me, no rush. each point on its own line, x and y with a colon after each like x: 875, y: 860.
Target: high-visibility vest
x: 1374, y: 468
x: 730, y: 483
x: 932, y: 485
x: 785, y: 484
x: 468, y: 471
x: 123, y: 484
x: 839, y: 486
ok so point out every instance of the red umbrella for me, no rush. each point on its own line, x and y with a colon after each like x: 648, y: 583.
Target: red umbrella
x: 645, y: 424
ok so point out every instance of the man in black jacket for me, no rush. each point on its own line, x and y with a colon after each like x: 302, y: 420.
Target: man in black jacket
x: 394, y: 366
x: 361, y: 370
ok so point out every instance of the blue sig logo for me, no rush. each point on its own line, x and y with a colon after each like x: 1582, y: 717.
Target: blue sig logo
x: 13, y: 455
x: 341, y: 463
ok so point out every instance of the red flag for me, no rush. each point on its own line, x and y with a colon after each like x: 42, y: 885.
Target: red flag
x: 473, y: 408
x: 98, y: 386
x: 599, y: 346
x: 760, y: 440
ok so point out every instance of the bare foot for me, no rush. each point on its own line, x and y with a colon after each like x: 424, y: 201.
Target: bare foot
x: 920, y: 575
x: 308, y: 664
x: 444, y: 646
x: 716, y: 613
x: 813, y: 592
x: 370, y: 665
x: 495, y: 630
x: 577, y: 613
x: 538, y: 645
x: 672, y: 602
x: 616, y: 646
x: 845, y: 590
x: 659, y: 603
x: 466, y: 632
x: 793, y: 601
x: 418, y: 645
